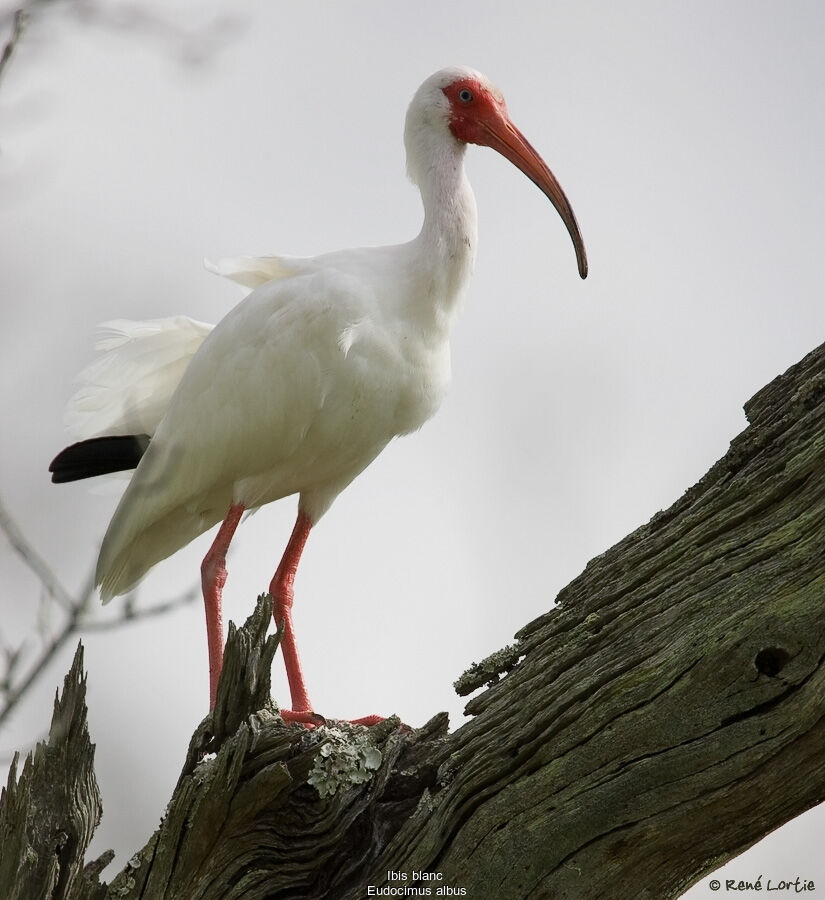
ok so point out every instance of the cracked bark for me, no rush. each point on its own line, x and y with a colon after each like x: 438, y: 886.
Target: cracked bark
x: 664, y: 716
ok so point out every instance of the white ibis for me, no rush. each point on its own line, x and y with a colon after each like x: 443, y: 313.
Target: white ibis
x: 305, y: 381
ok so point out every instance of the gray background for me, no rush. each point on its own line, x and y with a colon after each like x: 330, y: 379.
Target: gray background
x: 690, y: 140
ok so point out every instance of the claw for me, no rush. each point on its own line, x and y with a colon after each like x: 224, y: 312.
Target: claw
x: 307, y: 718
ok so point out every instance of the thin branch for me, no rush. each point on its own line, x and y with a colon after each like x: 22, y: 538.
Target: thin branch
x: 18, y: 25
x: 77, y: 610
x: 34, y: 560
x: 46, y: 656
x: 194, y: 45
x: 74, y: 607
x: 133, y: 614
x: 12, y: 658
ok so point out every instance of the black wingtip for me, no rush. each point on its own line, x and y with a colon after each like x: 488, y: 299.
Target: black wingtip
x: 98, y: 456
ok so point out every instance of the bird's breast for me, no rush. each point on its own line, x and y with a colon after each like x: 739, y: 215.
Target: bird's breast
x: 423, y: 388
x: 396, y: 378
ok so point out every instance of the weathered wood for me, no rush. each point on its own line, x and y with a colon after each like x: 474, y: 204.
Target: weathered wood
x: 665, y: 715
x: 246, y: 819
x: 48, y: 816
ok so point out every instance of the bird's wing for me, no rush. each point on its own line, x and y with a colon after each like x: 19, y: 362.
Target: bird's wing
x: 128, y: 387
x: 253, y: 271
x: 243, y: 425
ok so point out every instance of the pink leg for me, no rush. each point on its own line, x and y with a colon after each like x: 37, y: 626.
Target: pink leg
x: 213, y: 578
x: 282, y: 591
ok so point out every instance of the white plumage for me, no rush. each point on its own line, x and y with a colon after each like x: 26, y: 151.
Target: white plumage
x: 128, y: 388
x: 309, y: 377
x: 297, y: 390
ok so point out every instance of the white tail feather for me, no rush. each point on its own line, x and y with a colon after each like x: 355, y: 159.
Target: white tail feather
x: 127, y: 388
x: 251, y: 271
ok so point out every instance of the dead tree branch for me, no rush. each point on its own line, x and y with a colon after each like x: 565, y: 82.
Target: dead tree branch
x: 664, y: 716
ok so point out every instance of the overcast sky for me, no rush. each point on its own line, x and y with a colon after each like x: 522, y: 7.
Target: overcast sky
x: 690, y: 141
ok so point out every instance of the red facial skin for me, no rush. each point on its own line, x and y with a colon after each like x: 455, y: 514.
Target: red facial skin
x: 467, y: 115
x: 478, y: 115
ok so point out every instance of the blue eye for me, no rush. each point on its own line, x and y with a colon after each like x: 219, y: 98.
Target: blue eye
x: 465, y: 96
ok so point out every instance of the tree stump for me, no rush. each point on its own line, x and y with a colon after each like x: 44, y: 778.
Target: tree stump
x: 666, y: 714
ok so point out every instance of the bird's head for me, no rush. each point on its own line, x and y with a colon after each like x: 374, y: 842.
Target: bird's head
x: 465, y: 105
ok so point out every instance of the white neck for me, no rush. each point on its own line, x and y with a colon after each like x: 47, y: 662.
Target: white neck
x: 445, y: 248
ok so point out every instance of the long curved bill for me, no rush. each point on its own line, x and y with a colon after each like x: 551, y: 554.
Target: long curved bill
x: 503, y: 136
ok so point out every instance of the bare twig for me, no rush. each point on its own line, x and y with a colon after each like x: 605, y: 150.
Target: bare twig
x: 75, y: 609
x: 18, y: 24
x: 193, y: 44
x: 78, y: 612
x: 47, y: 654
x: 26, y: 552
x: 133, y: 614
x: 12, y: 655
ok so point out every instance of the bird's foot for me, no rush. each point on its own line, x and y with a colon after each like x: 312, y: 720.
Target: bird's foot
x: 304, y: 717
x: 367, y: 720
x: 310, y: 719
